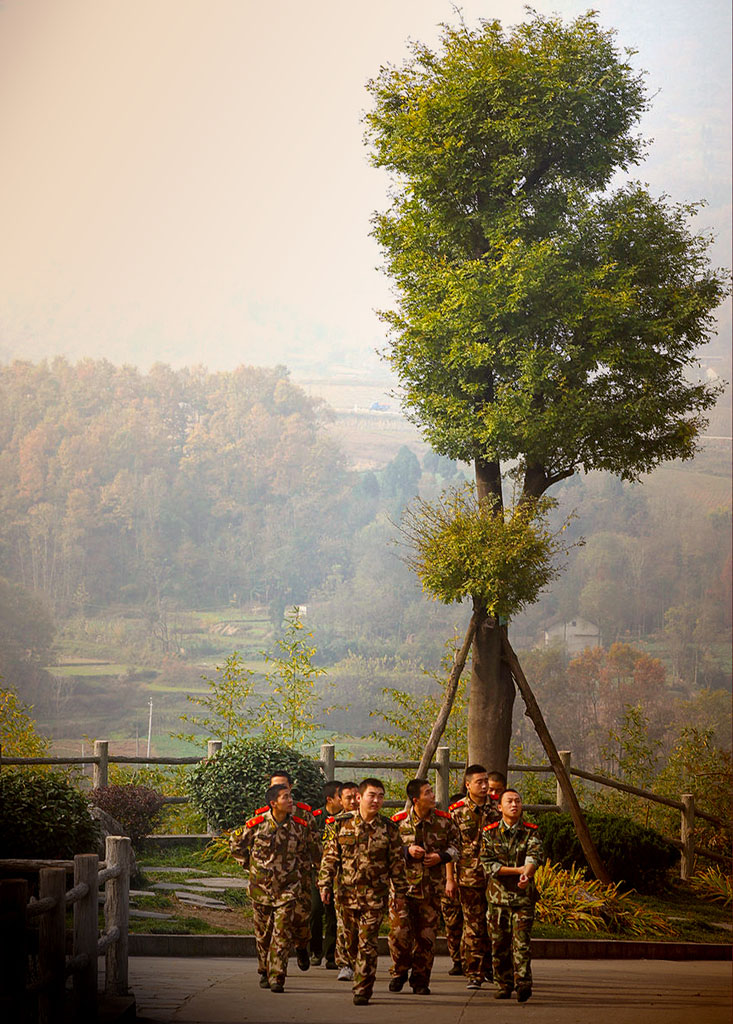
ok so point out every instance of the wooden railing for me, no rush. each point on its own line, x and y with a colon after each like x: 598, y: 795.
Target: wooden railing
x: 101, y: 759
x: 87, y: 944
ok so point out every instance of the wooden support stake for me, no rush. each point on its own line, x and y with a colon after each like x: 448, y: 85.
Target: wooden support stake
x: 442, y: 782
x: 86, y: 933
x: 52, y: 947
x: 560, y: 799
x: 117, y: 912
x: 687, y: 835
x: 101, y: 768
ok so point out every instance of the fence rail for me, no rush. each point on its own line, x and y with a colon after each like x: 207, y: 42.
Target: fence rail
x: 87, y: 945
x: 442, y: 765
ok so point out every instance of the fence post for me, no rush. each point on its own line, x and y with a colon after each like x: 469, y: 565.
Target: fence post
x: 565, y: 756
x: 117, y: 912
x: 442, y: 777
x: 86, y: 935
x: 52, y: 947
x: 687, y: 835
x: 101, y: 770
x: 13, y: 900
x: 328, y: 756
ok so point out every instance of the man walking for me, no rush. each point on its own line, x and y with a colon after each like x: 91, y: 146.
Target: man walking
x: 363, y: 857
x: 431, y: 842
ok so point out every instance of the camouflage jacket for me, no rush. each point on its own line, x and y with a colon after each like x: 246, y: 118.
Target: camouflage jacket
x: 471, y: 819
x: 309, y: 816
x: 361, y: 859
x: 510, y: 847
x: 437, y: 833
x: 277, y: 856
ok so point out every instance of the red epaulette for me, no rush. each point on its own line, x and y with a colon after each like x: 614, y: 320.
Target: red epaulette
x: 530, y: 824
x: 493, y: 824
x: 300, y: 820
x: 255, y: 821
x: 400, y: 816
x: 441, y: 814
x: 330, y: 820
x: 458, y: 803
x: 317, y: 812
x: 263, y: 810
x: 304, y: 807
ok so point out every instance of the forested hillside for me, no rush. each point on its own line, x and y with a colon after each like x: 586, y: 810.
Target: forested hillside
x: 152, y: 523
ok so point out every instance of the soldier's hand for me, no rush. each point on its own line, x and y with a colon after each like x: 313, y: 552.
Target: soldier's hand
x: 416, y: 852
x: 431, y: 859
x: 451, y: 889
x: 325, y: 895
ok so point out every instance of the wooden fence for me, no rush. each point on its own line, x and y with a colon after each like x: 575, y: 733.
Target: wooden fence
x: 54, y: 966
x: 101, y: 759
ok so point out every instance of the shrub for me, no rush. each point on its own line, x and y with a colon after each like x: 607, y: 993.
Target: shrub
x: 633, y: 854
x: 43, y: 815
x: 714, y: 886
x: 137, y: 808
x: 230, y: 786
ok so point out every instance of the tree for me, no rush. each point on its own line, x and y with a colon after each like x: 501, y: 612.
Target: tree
x: 227, y: 711
x: 542, y: 318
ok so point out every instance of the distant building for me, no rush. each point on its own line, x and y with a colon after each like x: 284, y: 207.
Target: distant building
x: 575, y: 635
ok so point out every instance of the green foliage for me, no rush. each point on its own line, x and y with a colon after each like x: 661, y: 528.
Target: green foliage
x: 43, y: 815
x: 634, y: 756
x: 169, y: 780
x: 230, y: 786
x: 137, y: 808
x: 567, y: 898
x: 226, y: 712
x: 636, y: 856
x: 288, y: 713
x: 465, y: 548
x: 713, y: 885
x: 18, y: 736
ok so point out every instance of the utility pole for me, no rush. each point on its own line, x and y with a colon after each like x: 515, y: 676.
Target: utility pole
x: 150, y: 725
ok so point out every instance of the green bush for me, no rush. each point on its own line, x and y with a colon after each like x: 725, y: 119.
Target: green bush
x: 230, y: 786
x: 43, y: 815
x: 637, y: 856
x: 137, y: 808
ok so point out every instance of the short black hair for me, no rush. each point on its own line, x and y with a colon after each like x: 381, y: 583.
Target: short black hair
x: 510, y: 790
x: 274, y: 792
x: 415, y: 787
x: 347, y: 785
x: 331, y: 789
x: 281, y: 774
x: 474, y: 769
x: 374, y: 783
x: 497, y: 777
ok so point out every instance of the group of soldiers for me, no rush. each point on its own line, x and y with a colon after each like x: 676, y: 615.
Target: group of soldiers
x: 322, y: 881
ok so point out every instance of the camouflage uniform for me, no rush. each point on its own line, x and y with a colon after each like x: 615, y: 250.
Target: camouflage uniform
x: 452, y: 913
x: 322, y: 915
x: 413, y: 927
x: 302, y: 911
x: 275, y: 855
x: 511, y: 909
x: 360, y: 861
x: 475, y: 946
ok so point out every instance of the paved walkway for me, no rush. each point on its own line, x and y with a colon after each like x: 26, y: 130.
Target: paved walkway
x: 222, y: 991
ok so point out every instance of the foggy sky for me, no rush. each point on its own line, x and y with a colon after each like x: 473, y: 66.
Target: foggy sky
x: 185, y: 181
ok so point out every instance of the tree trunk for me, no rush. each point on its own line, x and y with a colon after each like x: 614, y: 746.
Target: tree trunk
x: 491, y: 699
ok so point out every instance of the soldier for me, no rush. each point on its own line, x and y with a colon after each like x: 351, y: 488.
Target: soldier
x: 274, y: 845
x: 470, y: 815
x: 431, y: 842
x: 349, y: 795
x: 301, y: 921
x: 452, y: 914
x: 511, y: 852
x: 362, y: 858
x: 323, y: 917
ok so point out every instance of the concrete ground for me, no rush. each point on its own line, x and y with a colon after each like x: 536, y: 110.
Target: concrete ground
x: 223, y: 991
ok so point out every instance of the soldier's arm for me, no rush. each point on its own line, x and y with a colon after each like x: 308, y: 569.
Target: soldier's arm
x: 240, y: 845
x: 329, y: 866
x: 534, y: 855
x: 489, y: 857
x: 396, y: 861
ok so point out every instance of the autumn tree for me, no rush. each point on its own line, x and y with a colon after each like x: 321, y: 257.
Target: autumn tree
x: 543, y: 319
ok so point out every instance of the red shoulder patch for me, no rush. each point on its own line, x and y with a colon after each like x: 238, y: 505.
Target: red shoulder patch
x: 458, y: 803
x: 530, y: 824
x: 300, y: 820
x: 263, y: 810
x: 441, y: 814
x: 255, y: 821
x: 493, y: 824
x: 330, y: 820
x: 304, y: 807
x: 317, y: 812
x: 400, y: 816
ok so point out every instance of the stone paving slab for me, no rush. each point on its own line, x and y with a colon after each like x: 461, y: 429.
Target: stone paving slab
x: 224, y: 991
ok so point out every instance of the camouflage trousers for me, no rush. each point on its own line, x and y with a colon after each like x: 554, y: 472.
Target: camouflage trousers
x: 361, y: 931
x: 302, y: 914
x: 273, y: 927
x: 510, y: 929
x: 342, y: 953
x: 412, y: 931
x: 453, y: 920
x: 475, y: 944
